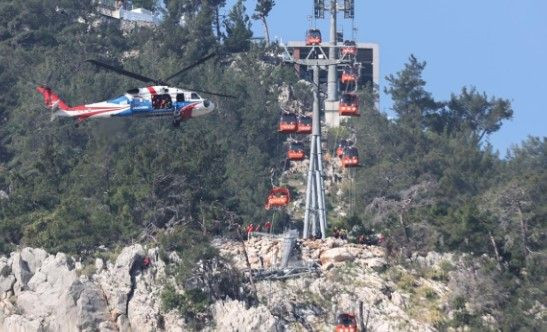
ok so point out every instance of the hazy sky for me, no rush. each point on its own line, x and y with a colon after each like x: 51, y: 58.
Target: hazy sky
x: 498, y: 46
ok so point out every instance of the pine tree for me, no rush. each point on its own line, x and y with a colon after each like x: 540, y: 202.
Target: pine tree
x: 262, y: 10
x: 238, y: 29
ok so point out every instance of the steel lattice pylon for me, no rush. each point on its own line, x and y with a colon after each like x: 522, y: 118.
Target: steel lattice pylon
x: 315, y: 213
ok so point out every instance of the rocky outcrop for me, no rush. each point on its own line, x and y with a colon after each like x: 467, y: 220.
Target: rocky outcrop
x: 42, y: 292
x: 45, y: 292
x: 236, y: 316
x: 265, y: 252
x: 351, y: 274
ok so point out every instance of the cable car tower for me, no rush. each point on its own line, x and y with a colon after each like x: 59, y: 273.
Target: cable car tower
x: 315, y: 213
x: 319, y: 8
x: 316, y: 56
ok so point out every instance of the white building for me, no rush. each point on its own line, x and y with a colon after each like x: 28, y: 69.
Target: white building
x: 122, y: 10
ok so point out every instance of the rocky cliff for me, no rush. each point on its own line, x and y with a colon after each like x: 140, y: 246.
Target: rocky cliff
x: 392, y: 298
x: 46, y: 292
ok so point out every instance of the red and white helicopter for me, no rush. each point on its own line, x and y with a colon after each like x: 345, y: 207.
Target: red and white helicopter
x: 158, y: 99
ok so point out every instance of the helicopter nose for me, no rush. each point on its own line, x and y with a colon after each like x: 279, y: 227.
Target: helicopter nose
x: 209, y: 105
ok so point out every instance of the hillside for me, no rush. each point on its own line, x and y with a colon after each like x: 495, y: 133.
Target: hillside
x: 429, y: 182
x: 57, y: 292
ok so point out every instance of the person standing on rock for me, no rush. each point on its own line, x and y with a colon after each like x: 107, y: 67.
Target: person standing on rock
x: 250, y: 228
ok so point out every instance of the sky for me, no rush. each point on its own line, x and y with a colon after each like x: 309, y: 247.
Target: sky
x: 497, y: 46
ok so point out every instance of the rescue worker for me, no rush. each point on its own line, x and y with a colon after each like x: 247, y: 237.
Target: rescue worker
x: 249, y: 230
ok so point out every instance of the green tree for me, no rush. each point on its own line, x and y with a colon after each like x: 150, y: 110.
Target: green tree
x: 238, y: 29
x: 475, y: 112
x: 411, y: 102
x: 262, y: 10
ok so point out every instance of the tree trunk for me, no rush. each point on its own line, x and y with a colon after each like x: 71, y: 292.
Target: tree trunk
x: 247, y: 262
x: 266, y: 30
x: 523, y: 231
x: 217, y: 19
x: 406, y: 248
x: 402, y: 222
x: 496, y: 252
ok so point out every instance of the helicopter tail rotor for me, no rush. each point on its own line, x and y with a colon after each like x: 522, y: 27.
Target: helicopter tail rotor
x: 51, y: 99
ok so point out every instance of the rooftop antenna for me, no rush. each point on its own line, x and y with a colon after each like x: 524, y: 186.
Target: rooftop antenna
x: 354, y: 30
x: 312, y: 21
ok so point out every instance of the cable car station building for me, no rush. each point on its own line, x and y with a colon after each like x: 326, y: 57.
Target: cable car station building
x: 367, y: 60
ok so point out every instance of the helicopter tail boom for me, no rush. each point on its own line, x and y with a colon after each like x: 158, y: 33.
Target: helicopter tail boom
x: 51, y: 99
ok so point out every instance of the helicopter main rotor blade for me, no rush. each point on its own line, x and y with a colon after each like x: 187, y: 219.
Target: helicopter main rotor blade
x: 124, y: 72
x: 197, y: 63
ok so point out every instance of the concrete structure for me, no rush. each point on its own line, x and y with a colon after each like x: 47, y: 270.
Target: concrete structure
x: 368, y: 59
x: 129, y: 16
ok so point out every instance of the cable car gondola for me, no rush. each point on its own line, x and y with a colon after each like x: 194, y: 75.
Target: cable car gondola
x: 348, y: 77
x: 278, y: 197
x: 349, y: 105
x: 346, y: 323
x: 313, y: 37
x: 288, y: 123
x: 350, y: 157
x: 304, y: 125
x: 349, y: 48
x: 296, y: 151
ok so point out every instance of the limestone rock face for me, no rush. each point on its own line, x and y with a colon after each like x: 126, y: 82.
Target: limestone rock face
x: 116, y: 280
x: 234, y: 316
x: 43, y: 292
x: 7, y: 280
x: 336, y: 255
x: 350, y: 274
x: 46, y: 292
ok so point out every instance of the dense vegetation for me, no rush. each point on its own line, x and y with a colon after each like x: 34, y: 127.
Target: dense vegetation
x: 430, y: 179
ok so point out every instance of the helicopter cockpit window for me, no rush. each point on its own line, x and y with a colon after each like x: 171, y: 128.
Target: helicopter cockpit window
x: 161, y: 101
x: 194, y: 96
x: 180, y: 97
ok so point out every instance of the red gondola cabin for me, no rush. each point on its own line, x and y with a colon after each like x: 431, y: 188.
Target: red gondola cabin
x: 313, y: 37
x: 304, y: 125
x: 346, y: 323
x: 296, y: 151
x: 348, y: 77
x: 349, y: 48
x: 350, y: 157
x: 278, y: 197
x: 288, y: 123
x: 349, y: 105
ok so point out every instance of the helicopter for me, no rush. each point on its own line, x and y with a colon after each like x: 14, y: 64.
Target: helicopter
x: 158, y: 99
